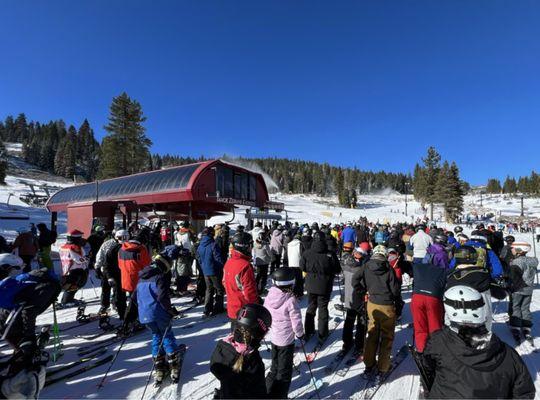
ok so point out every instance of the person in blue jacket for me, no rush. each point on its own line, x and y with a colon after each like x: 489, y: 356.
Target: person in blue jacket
x: 211, y: 260
x: 491, y: 261
x: 156, y: 311
x: 24, y: 297
x: 349, y: 235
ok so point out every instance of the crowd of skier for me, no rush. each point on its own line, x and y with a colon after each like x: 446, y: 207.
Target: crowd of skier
x: 257, y: 277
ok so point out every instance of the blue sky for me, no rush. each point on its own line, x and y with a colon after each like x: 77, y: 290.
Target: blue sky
x: 355, y: 83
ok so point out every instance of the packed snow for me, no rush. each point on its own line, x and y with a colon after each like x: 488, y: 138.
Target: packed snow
x: 130, y: 372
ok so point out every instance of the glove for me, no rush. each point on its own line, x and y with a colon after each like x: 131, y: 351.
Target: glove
x: 301, y: 338
x: 111, y: 281
x: 99, y: 274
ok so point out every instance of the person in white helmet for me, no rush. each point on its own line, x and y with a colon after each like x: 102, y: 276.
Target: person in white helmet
x: 464, y: 360
x: 108, y: 271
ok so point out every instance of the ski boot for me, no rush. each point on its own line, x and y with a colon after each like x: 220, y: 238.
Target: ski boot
x: 174, y: 366
x: 161, y: 370
x: 527, y: 335
x: 43, y: 337
x: 516, y: 334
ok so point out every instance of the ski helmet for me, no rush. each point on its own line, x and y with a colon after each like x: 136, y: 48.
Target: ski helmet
x: 464, y: 306
x: 510, y: 239
x: 381, y: 250
x: 441, y: 239
x: 284, y: 277
x: 315, y: 226
x: 255, y: 319
x: 478, y: 236
x: 10, y: 264
x: 466, y: 255
x: 521, y: 247
x: 208, y: 231
x: 242, y: 242
x: 458, y: 229
x: 420, y: 227
x: 122, y: 235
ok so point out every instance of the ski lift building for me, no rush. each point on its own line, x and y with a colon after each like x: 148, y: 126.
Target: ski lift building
x: 188, y: 192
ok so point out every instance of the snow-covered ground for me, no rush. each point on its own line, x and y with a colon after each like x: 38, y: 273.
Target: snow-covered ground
x: 130, y: 371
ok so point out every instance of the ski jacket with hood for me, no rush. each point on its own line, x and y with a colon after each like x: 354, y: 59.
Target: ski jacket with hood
x: 249, y: 383
x: 132, y: 258
x: 380, y: 280
x: 239, y: 282
x: 419, y: 242
x: 286, y: 317
x: 527, y: 265
x: 210, y: 257
x: 436, y: 254
x: 152, y: 296
x: 262, y: 254
x: 27, y: 287
x: 320, y: 267
x: 26, y: 244
x: 353, y: 286
x: 462, y: 372
x: 349, y: 235
x: 276, y: 242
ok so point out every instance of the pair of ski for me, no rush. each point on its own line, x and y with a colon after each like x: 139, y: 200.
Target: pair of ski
x: 159, y: 386
x: 89, y: 363
x: 371, y: 383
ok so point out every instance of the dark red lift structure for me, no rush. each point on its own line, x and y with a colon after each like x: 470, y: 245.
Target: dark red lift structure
x: 188, y: 192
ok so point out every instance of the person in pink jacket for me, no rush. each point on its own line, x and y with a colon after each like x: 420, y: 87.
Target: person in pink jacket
x: 286, y: 324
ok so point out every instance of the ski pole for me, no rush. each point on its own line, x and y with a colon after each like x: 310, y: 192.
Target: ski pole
x: 313, y: 380
x: 112, y: 363
x: 154, y: 363
x: 93, y: 286
x: 56, y: 335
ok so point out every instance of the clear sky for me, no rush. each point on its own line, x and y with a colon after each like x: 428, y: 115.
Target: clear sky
x: 355, y: 83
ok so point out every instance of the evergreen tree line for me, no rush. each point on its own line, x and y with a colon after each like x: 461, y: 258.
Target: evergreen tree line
x: 53, y: 147
x: 528, y: 185
x: 307, y: 177
x: 436, y: 183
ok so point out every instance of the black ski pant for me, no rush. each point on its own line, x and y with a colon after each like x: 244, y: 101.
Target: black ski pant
x: 352, y: 317
x: 276, y: 263
x: 27, y: 262
x: 118, y: 298
x: 215, y: 292
x: 279, y: 378
x: 317, y: 303
x: 261, y: 277
x: 201, y: 284
x: 298, y: 283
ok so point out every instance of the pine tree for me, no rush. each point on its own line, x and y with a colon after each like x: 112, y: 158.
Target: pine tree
x: 21, y: 129
x: 126, y: 150
x: 88, y: 151
x: 493, y: 186
x: 65, y: 156
x: 9, y: 129
x: 509, y: 186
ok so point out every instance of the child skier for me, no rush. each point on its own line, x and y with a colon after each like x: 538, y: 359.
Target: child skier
x: 156, y: 312
x: 287, y: 323
x: 465, y: 360
x: 236, y: 361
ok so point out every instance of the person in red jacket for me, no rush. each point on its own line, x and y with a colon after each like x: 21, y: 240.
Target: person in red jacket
x: 238, y: 276
x: 132, y: 258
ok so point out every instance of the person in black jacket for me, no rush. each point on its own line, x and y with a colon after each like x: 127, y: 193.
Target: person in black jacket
x: 107, y: 270
x: 236, y: 361
x: 383, y: 290
x: 465, y: 360
x: 320, y: 267
x: 395, y: 242
x: 306, y: 239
